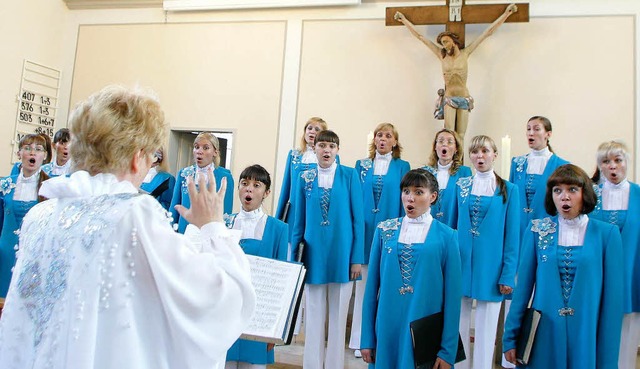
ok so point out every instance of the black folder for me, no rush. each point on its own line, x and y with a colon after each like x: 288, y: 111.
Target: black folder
x: 527, y: 335
x: 426, y: 334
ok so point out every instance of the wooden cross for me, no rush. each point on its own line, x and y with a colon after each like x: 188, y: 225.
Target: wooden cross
x: 455, y: 15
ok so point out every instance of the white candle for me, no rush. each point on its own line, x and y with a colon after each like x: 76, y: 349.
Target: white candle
x: 369, y: 140
x: 506, y: 156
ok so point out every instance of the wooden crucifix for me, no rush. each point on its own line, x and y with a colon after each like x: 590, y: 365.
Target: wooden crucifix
x: 454, y: 102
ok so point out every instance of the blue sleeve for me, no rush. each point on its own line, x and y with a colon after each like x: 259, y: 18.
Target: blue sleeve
x: 523, y: 290
x: 368, y: 338
x: 452, y: 272
x: 611, y: 311
x: 282, y: 242
x: 285, y: 190
x: 228, y: 195
x: 357, y: 216
x: 167, y: 196
x: 511, y: 238
x: 176, y: 198
x: 512, y: 171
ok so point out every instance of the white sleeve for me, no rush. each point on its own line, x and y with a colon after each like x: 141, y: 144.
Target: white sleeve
x: 205, y: 291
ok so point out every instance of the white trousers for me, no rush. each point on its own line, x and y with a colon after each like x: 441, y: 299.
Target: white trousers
x: 507, y: 307
x: 629, y: 340
x: 243, y: 365
x: 320, y: 299
x: 486, y: 323
x: 356, y: 318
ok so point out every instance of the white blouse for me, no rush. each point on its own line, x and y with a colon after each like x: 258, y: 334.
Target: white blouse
x: 381, y: 163
x: 443, y: 175
x: 27, y: 187
x: 484, y: 183
x: 326, y: 176
x: 537, y: 160
x: 309, y: 156
x: 117, y: 287
x: 415, y: 230
x: 615, y: 196
x: 251, y: 223
x: 571, y: 232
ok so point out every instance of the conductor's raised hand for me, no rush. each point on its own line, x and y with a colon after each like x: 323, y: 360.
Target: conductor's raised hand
x: 207, y: 202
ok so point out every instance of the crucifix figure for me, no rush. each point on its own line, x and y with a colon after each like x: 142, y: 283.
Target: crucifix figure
x: 456, y: 102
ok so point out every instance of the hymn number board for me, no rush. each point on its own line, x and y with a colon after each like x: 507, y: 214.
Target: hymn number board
x: 37, y: 101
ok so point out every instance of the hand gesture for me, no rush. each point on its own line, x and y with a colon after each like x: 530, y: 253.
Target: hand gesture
x: 207, y: 204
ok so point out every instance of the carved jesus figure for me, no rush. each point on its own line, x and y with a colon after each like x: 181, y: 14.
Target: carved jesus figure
x: 457, y: 102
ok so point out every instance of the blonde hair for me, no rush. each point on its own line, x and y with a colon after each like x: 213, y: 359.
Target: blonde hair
x: 609, y: 148
x: 313, y: 120
x: 397, y: 149
x: 214, y: 141
x: 458, y: 157
x: 112, y: 126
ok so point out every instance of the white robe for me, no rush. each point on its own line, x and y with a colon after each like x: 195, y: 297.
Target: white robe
x: 102, y: 281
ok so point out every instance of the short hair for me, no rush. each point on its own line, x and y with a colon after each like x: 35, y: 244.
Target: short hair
x: 480, y: 141
x: 396, y: 150
x: 458, y: 157
x: 112, y: 126
x: 570, y: 174
x: 312, y: 120
x: 327, y: 136
x: 62, y: 135
x: 214, y: 141
x: 420, y: 178
x: 605, y: 150
x: 546, y: 123
x: 257, y: 173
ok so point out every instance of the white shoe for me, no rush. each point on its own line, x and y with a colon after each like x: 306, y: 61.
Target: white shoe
x: 357, y: 354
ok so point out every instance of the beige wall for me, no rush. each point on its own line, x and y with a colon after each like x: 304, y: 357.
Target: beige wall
x: 263, y: 73
x: 32, y: 30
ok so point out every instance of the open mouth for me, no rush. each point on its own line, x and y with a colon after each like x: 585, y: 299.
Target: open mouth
x: 326, y: 157
x: 531, y: 140
x: 444, y: 151
x: 410, y: 207
x: 566, y: 207
x: 248, y: 198
x: 32, y: 160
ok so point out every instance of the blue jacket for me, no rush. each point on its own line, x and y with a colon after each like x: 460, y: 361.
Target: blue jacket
x: 274, y: 245
x: 181, y: 193
x: 491, y: 258
x: 164, y: 198
x: 630, y: 246
x: 445, y: 209
x: 590, y: 338
x: 330, y: 248
x: 390, y: 204
x: 436, y: 287
x: 11, y: 214
x: 518, y: 176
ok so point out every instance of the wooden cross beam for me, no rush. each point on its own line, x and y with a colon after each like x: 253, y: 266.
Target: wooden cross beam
x: 456, y: 14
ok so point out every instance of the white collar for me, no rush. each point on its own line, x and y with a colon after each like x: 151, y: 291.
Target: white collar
x: 204, y: 169
x: 615, y: 187
x: 576, y: 222
x: 82, y: 184
x: 255, y: 214
x: 388, y: 156
x: 544, y: 152
x: 422, y: 219
x: 444, y: 167
x: 485, y: 176
x: 329, y: 170
x: 33, y: 178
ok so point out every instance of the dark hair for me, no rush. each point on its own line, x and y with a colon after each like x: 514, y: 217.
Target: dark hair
x: 327, y: 136
x: 62, y: 135
x: 420, y: 178
x: 458, y: 157
x: 546, y: 123
x: 570, y: 174
x: 257, y: 173
x: 47, y: 147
